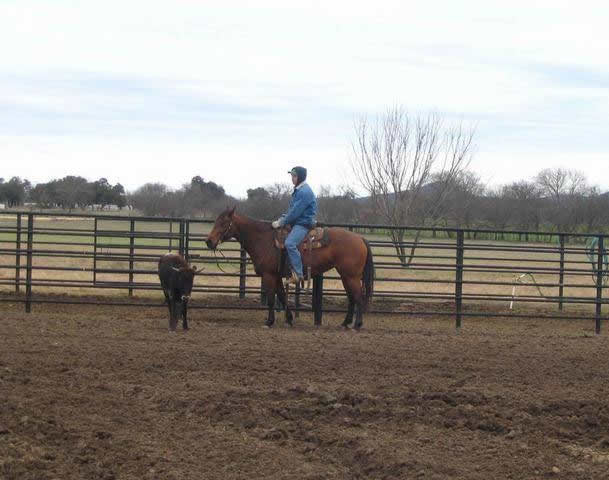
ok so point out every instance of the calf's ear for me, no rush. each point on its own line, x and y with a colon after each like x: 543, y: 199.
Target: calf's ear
x: 194, y: 268
x: 176, y: 269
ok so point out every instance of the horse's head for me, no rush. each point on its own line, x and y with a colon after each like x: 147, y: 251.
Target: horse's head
x: 224, y: 228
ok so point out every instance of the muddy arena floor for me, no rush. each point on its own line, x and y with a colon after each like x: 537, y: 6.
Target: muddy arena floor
x: 106, y: 393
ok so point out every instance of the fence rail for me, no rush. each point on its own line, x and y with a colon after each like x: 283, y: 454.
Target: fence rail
x: 454, y: 272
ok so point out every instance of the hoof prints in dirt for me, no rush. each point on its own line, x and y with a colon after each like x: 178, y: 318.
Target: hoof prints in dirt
x: 86, y: 397
x: 335, y: 426
x: 33, y: 446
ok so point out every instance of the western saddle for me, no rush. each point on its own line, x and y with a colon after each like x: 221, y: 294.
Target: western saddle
x: 316, y: 238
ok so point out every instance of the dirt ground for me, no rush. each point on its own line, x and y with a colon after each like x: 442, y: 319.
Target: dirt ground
x: 107, y: 393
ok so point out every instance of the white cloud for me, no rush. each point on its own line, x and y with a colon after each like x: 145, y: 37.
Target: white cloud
x: 137, y: 84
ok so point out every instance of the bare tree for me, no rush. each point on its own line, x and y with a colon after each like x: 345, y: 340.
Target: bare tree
x: 560, y: 182
x: 394, y: 158
x: 338, y: 205
x: 267, y: 202
x: 523, y: 199
x: 563, y: 190
x: 461, y: 205
x: 497, y: 211
x: 595, y: 212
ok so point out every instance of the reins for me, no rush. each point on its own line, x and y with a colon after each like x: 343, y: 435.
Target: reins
x: 222, y: 240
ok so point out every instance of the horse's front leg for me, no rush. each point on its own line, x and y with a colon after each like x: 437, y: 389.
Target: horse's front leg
x: 281, y: 294
x: 270, y: 283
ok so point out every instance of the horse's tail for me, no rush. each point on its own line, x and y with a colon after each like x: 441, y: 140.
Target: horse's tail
x: 368, y: 276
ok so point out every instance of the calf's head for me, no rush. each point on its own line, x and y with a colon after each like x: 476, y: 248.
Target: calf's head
x: 184, y: 280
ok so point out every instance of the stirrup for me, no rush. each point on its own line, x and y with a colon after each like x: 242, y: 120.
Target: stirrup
x: 294, y: 279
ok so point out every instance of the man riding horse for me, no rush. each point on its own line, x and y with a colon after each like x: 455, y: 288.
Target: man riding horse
x: 346, y: 251
x: 301, y: 217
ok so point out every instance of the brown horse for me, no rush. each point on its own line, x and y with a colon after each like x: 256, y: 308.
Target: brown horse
x: 346, y: 251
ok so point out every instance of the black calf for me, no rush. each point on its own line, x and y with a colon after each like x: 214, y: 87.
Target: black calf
x: 176, y: 280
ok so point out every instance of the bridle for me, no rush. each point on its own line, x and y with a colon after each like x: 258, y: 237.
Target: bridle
x: 223, y: 238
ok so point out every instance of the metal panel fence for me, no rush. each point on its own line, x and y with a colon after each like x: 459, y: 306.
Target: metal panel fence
x: 451, y: 272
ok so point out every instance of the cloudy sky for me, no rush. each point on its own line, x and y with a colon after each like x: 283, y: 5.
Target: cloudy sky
x: 238, y: 92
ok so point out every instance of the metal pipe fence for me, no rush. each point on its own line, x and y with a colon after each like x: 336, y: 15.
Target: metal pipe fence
x: 451, y: 272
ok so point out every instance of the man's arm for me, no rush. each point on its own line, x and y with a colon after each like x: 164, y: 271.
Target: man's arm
x: 300, y: 203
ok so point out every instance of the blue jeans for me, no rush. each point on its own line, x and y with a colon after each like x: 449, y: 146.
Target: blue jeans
x: 294, y: 239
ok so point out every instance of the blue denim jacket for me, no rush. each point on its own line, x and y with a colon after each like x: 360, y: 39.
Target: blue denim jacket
x: 303, y: 208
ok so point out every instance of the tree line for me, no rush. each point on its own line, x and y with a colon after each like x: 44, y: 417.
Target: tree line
x: 66, y: 193
x: 554, y: 200
x: 411, y: 171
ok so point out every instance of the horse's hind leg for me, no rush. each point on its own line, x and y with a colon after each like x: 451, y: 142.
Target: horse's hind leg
x: 353, y: 287
x: 349, y: 316
x: 359, y: 316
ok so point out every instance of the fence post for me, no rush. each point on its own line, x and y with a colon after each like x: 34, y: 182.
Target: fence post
x: 170, y: 235
x: 181, y: 243
x: 131, y: 252
x: 95, y: 251
x: 561, y: 275
x: 18, y: 254
x: 186, y: 238
x: 459, y: 279
x: 28, y: 276
x: 318, y: 292
x: 599, y: 283
x: 242, y: 271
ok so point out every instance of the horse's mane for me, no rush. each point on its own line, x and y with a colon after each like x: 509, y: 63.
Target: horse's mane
x: 258, y: 225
